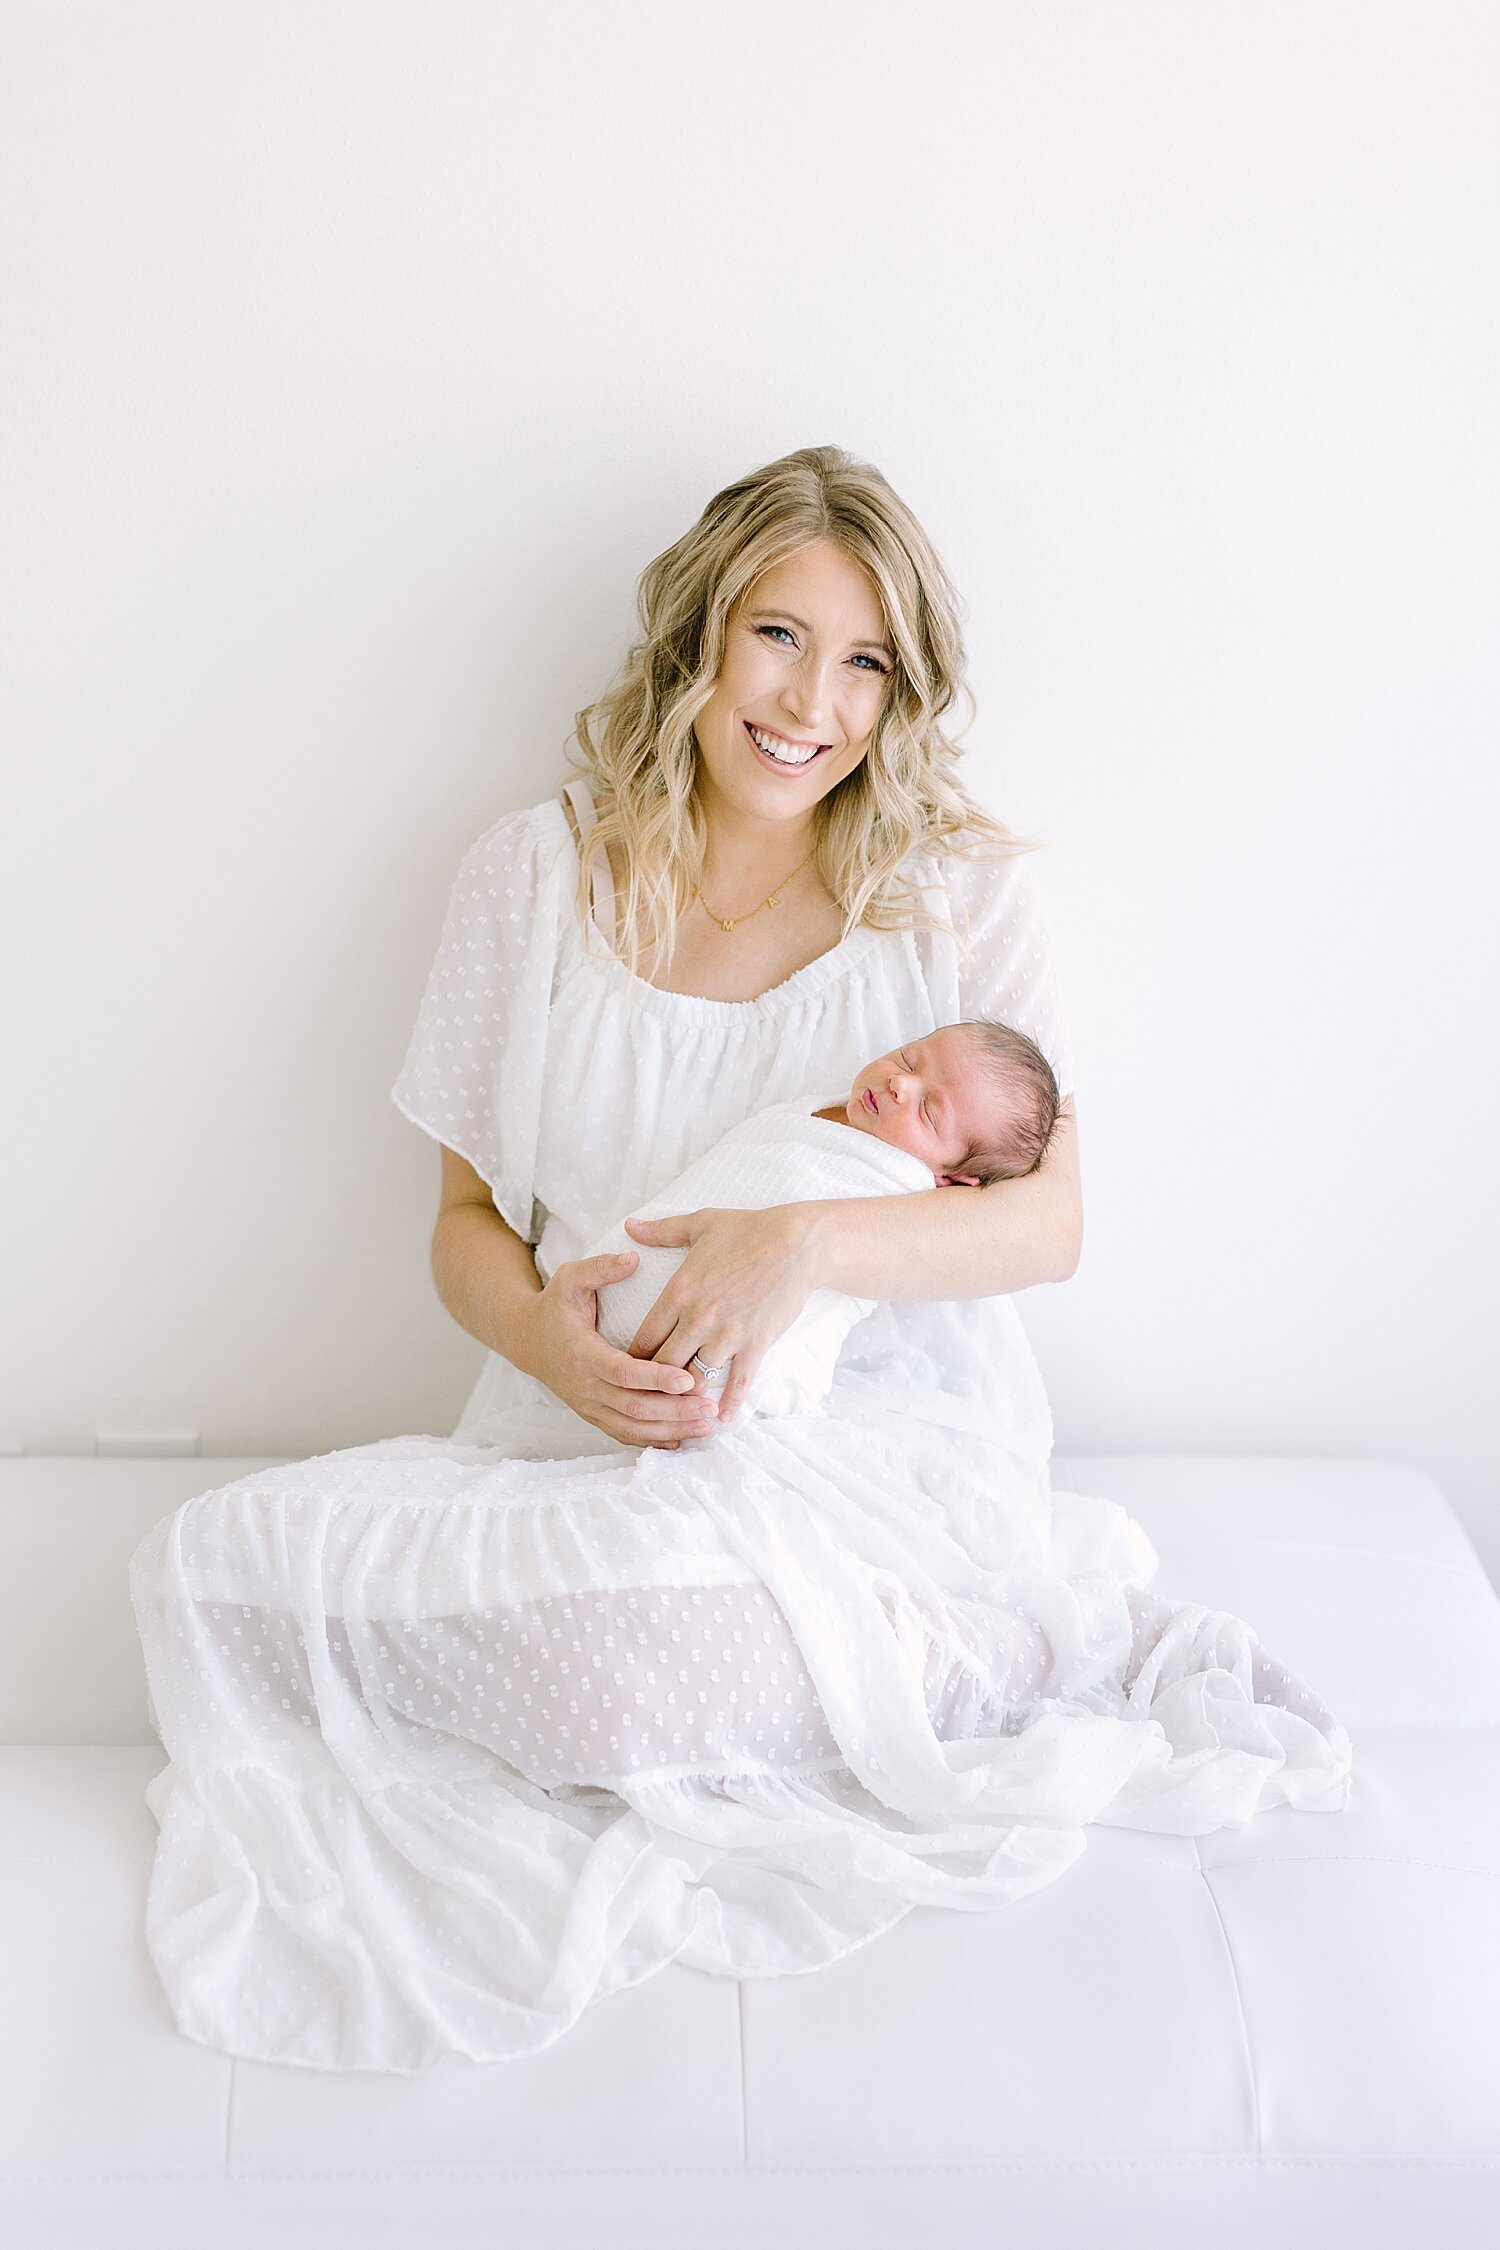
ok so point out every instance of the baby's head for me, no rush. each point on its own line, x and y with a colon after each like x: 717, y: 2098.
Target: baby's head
x: 975, y: 1101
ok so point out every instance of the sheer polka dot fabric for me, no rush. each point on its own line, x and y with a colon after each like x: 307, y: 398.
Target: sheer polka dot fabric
x: 465, y: 1732
x: 575, y: 1690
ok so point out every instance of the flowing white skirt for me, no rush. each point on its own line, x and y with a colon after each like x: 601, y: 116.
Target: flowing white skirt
x: 466, y: 1733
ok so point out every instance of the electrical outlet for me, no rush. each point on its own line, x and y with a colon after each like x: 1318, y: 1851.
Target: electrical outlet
x: 146, y: 1445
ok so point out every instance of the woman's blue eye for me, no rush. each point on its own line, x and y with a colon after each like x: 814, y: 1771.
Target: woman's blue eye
x: 860, y: 657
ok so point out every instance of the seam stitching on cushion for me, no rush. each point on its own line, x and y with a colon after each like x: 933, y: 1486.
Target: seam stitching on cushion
x: 1229, y: 2160
x: 739, y: 1994
x: 1428, y: 1726
x: 1345, y: 1859
x: 1327, y: 1547
x: 1239, y: 2000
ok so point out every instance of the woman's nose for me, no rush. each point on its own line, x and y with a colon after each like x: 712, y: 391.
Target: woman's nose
x: 808, y: 696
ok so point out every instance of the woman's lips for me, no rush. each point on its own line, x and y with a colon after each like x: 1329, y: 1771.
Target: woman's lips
x: 805, y: 766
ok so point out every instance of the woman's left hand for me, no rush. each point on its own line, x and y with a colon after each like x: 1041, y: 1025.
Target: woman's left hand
x: 746, y: 1277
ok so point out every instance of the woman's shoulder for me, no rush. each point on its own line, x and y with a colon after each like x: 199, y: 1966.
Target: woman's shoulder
x: 532, y: 825
x: 973, y: 866
x: 527, y: 841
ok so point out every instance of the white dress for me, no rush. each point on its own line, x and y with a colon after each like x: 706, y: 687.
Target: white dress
x: 467, y: 1733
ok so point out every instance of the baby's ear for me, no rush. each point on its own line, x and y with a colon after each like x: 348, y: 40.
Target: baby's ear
x: 965, y: 1179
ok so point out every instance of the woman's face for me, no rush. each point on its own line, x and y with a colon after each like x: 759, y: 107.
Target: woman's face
x: 806, y: 666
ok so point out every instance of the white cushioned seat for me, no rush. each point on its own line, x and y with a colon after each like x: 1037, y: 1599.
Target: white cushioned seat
x: 1285, y: 2034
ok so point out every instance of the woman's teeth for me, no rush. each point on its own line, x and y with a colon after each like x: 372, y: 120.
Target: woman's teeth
x: 782, y: 752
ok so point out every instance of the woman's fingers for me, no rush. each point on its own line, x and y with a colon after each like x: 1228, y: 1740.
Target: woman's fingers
x: 743, y: 1282
x: 745, y: 1288
x: 594, y: 1274
x: 653, y: 1404
x: 653, y: 1332
x: 673, y: 1335
x: 647, y: 1401
x: 635, y: 1401
x: 687, y: 1338
x: 741, y: 1375
x: 589, y: 1276
x: 647, y: 1375
x: 630, y: 1430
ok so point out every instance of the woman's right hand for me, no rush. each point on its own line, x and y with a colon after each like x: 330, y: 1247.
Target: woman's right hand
x: 637, y: 1401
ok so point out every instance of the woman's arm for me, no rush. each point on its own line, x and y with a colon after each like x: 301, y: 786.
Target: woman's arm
x: 954, y: 1241
x: 748, y: 1274
x: 484, y: 1272
x: 486, y: 1277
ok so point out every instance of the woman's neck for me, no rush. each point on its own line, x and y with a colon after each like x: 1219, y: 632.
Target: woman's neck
x: 744, y: 858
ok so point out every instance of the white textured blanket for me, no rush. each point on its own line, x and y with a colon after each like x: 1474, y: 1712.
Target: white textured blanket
x: 782, y: 1154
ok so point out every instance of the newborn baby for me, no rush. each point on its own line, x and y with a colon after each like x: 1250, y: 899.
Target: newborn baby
x: 975, y: 1102
x: 958, y: 1107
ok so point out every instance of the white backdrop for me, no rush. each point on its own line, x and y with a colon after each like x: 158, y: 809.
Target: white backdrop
x: 358, y: 356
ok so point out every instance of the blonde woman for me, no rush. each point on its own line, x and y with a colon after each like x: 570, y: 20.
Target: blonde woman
x: 468, y: 1732
x: 765, y: 913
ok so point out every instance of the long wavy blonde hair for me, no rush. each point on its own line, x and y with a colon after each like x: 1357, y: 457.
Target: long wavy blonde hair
x: 637, y: 745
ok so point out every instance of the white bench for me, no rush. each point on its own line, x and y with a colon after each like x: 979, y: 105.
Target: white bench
x: 1280, y: 2036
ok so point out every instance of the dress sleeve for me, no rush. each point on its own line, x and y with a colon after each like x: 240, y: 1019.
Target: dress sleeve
x: 1009, y: 976
x: 474, y: 1068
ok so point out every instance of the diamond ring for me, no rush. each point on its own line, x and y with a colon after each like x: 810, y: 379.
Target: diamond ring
x: 713, y: 1373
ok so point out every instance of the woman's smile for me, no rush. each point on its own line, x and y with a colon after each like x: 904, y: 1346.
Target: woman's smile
x: 781, y: 751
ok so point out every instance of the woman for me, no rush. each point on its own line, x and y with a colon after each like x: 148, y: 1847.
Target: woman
x: 466, y: 1733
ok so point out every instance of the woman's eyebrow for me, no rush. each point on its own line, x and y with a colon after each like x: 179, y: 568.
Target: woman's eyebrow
x: 803, y: 627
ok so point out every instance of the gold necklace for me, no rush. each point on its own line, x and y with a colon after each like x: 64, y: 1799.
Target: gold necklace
x: 770, y: 900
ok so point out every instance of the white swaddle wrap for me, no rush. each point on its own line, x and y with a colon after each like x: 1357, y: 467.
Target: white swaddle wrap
x: 781, y: 1154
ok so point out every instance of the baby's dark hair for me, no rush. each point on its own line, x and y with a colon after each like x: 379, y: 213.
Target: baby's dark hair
x: 1017, y: 1069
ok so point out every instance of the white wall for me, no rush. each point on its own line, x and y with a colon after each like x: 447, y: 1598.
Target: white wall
x: 358, y: 356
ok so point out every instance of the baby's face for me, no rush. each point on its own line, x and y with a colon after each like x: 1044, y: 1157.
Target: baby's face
x: 927, y: 1097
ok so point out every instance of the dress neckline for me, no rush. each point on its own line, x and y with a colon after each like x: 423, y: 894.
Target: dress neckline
x: 823, y: 970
